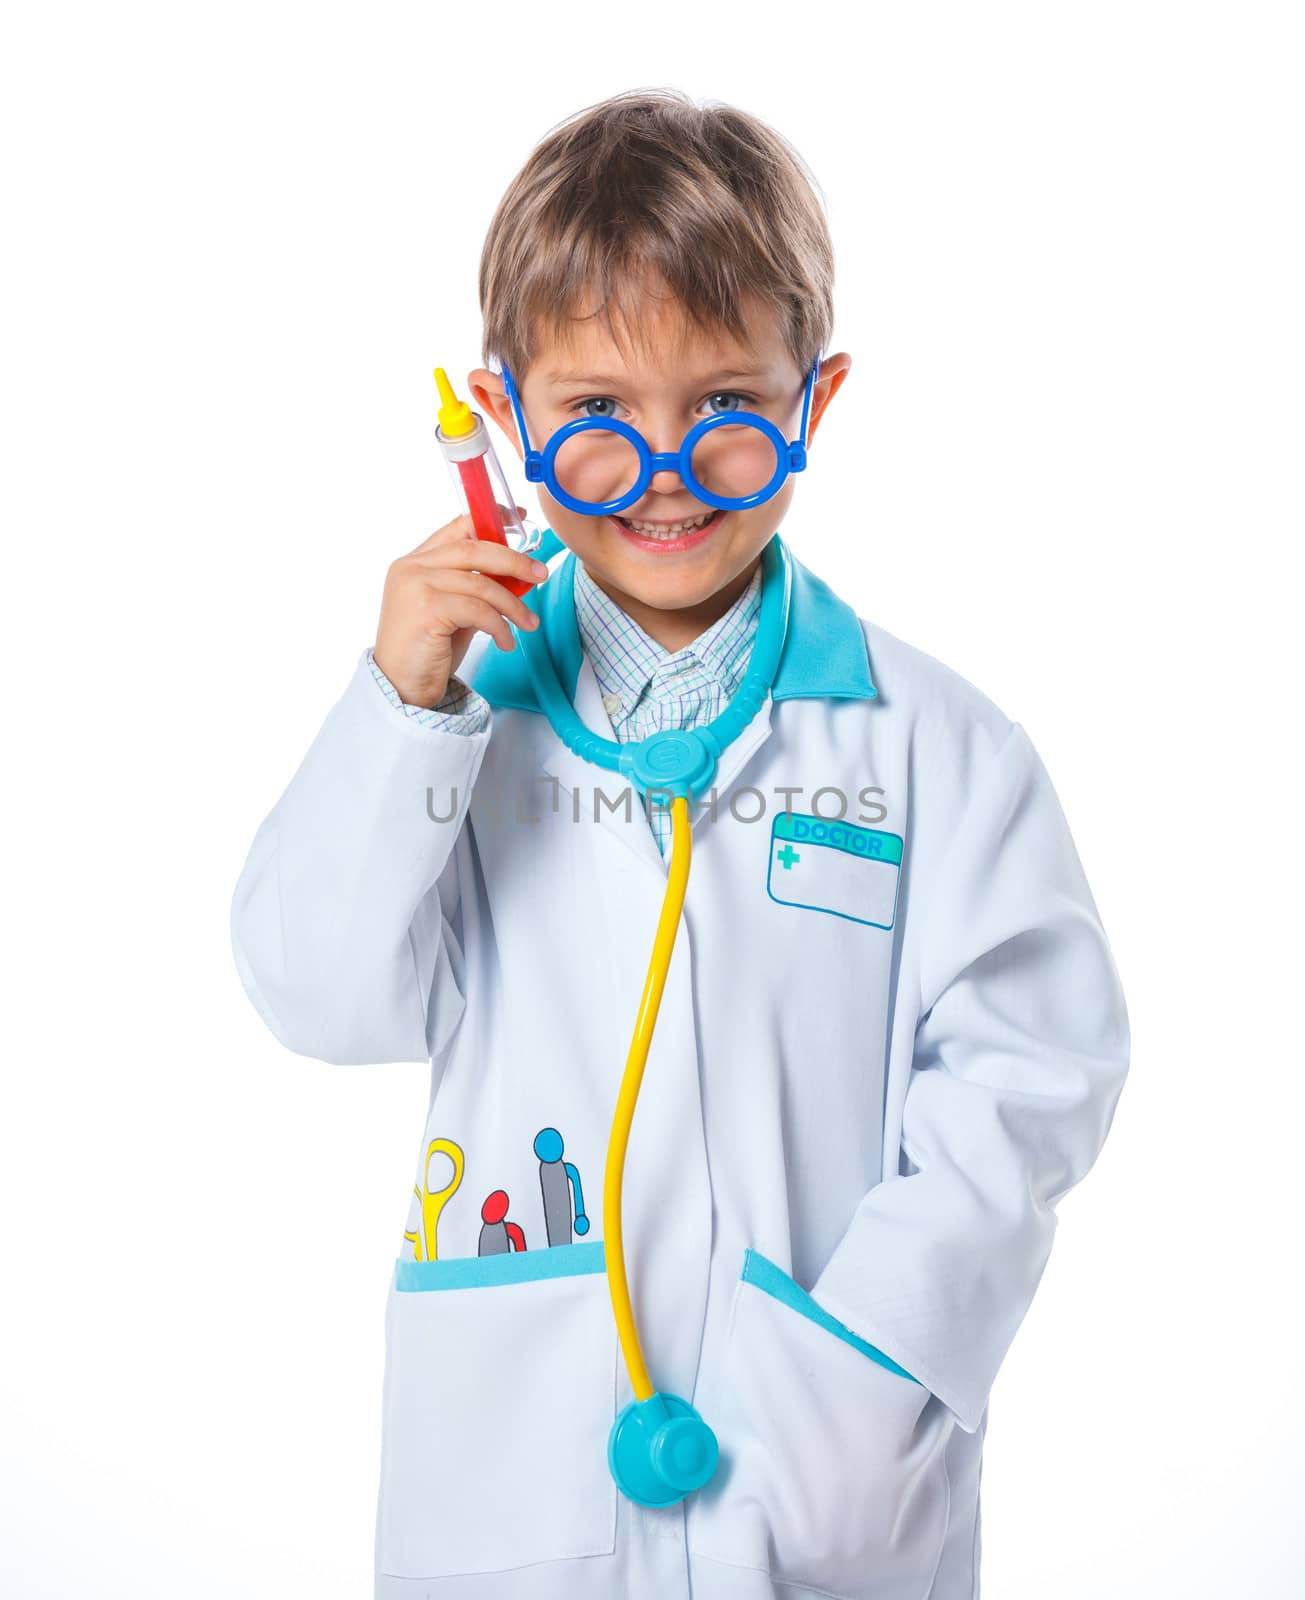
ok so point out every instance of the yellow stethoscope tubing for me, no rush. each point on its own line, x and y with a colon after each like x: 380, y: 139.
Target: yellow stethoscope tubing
x: 677, y: 878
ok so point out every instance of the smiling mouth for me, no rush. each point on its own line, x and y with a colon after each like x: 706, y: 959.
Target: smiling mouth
x: 668, y: 530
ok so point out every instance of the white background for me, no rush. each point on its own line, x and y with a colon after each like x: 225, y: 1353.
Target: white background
x: 1067, y: 462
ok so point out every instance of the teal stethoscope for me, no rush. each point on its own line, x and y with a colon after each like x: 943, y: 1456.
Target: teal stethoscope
x: 659, y: 1448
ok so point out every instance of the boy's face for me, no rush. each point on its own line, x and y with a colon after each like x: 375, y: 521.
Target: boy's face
x: 673, y: 588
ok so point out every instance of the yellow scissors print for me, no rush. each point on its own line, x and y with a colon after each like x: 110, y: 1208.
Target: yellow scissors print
x: 433, y: 1203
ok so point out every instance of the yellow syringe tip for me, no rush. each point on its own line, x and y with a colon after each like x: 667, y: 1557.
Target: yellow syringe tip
x: 456, y: 416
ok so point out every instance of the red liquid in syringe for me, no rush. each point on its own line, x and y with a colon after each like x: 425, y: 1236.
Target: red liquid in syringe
x: 486, y: 518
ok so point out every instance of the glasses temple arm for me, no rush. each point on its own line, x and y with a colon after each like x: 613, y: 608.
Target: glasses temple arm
x: 806, y: 400
x: 516, y: 409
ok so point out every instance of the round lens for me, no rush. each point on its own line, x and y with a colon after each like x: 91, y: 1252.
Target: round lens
x: 596, y: 465
x: 734, y: 460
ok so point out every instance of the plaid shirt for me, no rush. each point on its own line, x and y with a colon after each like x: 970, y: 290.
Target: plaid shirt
x: 645, y: 688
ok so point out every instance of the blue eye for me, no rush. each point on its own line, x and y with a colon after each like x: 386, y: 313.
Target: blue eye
x: 582, y: 406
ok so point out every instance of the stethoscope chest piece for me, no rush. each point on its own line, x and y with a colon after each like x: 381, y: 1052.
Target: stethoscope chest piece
x: 660, y: 1449
x: 674, y: 760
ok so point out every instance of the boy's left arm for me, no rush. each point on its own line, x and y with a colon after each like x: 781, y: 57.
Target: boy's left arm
x: 1020, y: 1053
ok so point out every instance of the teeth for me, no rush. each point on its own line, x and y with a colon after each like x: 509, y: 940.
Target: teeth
x: 667, y: 533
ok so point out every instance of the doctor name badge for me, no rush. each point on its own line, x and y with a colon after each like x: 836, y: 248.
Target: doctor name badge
x: 837, y: 867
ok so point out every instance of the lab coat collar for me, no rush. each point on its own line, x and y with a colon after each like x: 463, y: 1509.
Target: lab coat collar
x: 824, y: 654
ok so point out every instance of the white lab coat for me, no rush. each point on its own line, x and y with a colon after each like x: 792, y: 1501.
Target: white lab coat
x: 867, y: 1090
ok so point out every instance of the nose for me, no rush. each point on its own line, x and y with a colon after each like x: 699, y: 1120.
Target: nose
x: 667, y: 481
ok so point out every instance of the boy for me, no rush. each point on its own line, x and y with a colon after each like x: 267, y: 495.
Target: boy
x: 891, y: 1037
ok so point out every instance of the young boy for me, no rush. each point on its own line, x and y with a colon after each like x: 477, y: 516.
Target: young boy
x: 891, y: 1037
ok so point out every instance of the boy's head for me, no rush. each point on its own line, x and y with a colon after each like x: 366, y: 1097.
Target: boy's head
x: 660, y: 262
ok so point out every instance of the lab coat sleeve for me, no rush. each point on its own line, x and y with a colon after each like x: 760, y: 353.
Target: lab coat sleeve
x: 343, y: 917
x: 1019, y: 1055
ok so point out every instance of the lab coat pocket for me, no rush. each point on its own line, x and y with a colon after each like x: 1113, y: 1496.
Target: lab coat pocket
x: 500, y: 1391
x: 833, y: 1473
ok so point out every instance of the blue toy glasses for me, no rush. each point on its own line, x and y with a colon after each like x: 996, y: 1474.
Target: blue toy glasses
x: 600, y: 465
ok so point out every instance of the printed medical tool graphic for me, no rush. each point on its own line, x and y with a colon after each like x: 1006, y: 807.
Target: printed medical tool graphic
x: 557, y: 1179
x: 498, y: 1236
x: 432, y: 1202
x: 659, y: 1449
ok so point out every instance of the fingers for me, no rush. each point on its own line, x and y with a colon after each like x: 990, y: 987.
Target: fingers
x: 480, y: 587
x: 447, y: 589
x: 469, y: 608
x: 456, y: 547
x: 460, y: 529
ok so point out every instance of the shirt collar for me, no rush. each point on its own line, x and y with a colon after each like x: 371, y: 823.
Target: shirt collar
x: 629, y: 663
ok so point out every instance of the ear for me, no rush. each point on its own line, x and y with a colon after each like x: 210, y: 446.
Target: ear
x: 829, y: 380
x: 490, y: 397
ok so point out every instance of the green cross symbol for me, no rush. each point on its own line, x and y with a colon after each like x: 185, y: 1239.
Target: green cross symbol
x: 788, y: 855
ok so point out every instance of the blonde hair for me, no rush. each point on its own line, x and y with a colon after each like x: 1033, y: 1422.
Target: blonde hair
x: 650, y: 185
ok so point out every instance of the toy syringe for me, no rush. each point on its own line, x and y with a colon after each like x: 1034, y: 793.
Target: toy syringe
x: 464, y: 439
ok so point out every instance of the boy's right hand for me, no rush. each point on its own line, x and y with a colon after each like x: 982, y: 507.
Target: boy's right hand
x: 435, y: 599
